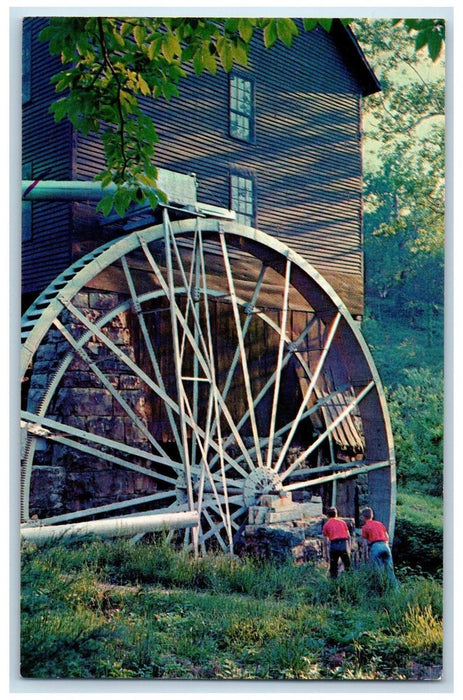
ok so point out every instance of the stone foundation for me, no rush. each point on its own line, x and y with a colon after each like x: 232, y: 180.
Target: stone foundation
x: 279, y: 528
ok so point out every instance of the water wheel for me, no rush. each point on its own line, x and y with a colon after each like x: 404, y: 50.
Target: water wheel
x: 197, y: 364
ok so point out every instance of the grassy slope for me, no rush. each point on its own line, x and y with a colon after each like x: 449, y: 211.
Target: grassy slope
x: 422, y: 509
x: 143, y: 611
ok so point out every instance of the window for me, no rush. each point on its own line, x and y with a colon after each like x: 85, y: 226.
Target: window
x: 243, y: 198
x: 241, y: 108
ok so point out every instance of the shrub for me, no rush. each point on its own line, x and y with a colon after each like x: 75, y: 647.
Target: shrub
x: 418, y: 546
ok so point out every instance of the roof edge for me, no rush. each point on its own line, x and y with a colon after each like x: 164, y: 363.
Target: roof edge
x: 348, y: 44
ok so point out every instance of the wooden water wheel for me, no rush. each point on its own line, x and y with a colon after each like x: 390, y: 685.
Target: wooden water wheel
x: 198, y: 364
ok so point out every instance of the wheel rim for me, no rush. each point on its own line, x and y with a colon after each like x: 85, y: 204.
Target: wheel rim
x: 219, y: 366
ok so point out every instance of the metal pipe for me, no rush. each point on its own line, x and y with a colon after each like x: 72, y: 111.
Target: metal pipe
x: 183, y: 192
x: 57, y: 190
x: 111, y: 527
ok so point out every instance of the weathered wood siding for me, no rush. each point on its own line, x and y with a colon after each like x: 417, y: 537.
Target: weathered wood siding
x: 305, y: 159
x: 47, y: 154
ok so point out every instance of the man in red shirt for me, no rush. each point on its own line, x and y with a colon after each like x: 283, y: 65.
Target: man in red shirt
x: 376, y: 539
x: 336, y: 534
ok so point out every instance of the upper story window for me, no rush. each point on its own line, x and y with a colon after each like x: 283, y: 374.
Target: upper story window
x: 241, y: 108
x: 243, y: 201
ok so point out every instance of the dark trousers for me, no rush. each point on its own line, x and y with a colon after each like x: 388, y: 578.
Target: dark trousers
x: 339, y: 550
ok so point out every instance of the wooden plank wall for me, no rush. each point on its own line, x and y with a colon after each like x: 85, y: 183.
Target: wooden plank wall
x: 46, y: 153
x: 305, y: 159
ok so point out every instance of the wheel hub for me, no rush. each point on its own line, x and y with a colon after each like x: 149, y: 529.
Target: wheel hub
x: 261, y: 480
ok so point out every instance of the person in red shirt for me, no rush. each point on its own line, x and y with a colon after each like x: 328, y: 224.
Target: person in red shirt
x: 376, y: 539
x: 337, y: 537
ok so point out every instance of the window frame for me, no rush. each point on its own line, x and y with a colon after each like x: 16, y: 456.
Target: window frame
x: 249, y: 176
x: 235, y: 112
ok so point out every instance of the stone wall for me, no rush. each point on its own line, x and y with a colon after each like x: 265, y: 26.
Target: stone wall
x: 83, y: 480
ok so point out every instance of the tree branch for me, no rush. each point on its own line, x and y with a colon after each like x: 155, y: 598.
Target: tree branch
x: 108, y: 63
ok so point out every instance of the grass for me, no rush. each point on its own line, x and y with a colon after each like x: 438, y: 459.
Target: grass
x: 421, y: 508
x: 122, y: 610
x: 418, y: 541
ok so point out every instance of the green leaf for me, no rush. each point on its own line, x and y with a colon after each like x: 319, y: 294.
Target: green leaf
x: 231, y: 24
x: 125, y: 29
x: 122, y: 200
x: 105, y: 178
x: 169, y: 90
x: 270, y: 34
x: 240, y: 53
x: 171, y: 47
x: 59, y: 109
x: 142, y: 85
x: 198, y: 65
x: 286, y: 30
x: 63, y: 80
x: 421, y: 39
x: 225, y: 52
x: 139, y: 34
x: 209, y: 61
x: 119, y: 39
x: 105, y: 204
x: 326, y: 23
x: 245, y: 29
x: 154, y: 48
x: 309, y: 23
x: 434, y: 45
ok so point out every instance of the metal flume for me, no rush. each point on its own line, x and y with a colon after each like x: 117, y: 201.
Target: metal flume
x: 198, y: 364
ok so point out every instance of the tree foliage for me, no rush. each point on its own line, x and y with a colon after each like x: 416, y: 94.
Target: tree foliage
x: 405, y: 171
x: 428, y: 33
x: 112, y: 64
x: 404, y: 239
x: 417, y: 417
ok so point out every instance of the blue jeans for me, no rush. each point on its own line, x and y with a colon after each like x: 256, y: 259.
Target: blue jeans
x: 380, y: 555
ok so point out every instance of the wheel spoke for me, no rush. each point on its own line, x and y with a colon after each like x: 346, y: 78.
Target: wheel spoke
x: 267, y: 386
x: 151, y: 351
x: 177, y: 362
x: 43, y: 427
x: 278, y: 369
x: 234, y: 363
x: 244, y: 364
x: 110, y: 388
x: 216, y: 527
x: 213, y: 395
x: 321, y: 402
x: 95, y: 330
x: 335, y: 476
x: 309, y: 392
x: 328, y: 431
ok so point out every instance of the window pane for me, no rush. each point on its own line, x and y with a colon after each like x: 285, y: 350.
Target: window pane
x: 242, y: 199
x: 241, y: 108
